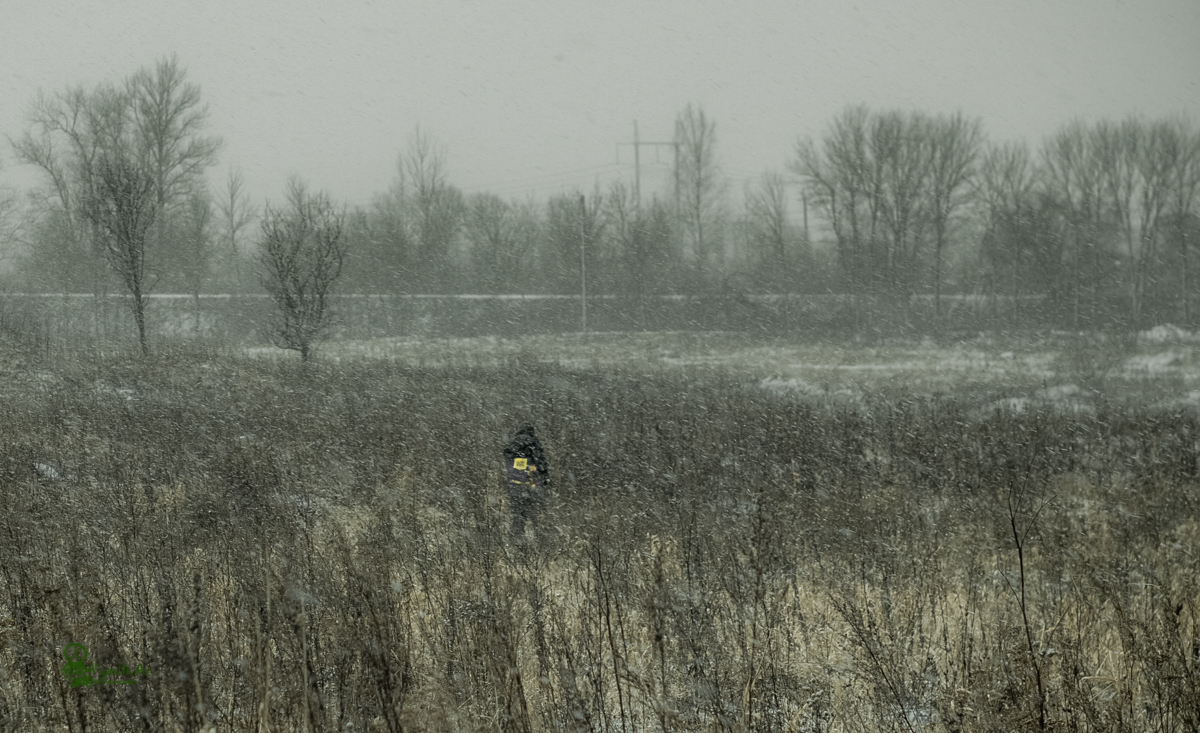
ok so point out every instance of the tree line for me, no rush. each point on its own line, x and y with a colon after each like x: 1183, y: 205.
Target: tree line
x: 1098, y: 223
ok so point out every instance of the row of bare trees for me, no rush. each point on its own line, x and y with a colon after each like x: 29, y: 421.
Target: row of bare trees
x: 889, y: 185
x: 1105, y: 211
x: 425, y: 236
x: 1098, y: 223
x: 1101, y: 218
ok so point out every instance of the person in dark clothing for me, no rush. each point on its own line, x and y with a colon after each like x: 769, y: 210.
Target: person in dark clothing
x: 528, y: 477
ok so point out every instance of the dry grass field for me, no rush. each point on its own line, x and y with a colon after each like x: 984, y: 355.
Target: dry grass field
x: 988, y: 534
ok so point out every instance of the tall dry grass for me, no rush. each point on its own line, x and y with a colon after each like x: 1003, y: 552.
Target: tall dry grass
x: 326, y: 548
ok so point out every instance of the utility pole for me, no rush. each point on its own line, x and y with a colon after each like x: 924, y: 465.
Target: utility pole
x: 583, y: 259
x: 637, y: 165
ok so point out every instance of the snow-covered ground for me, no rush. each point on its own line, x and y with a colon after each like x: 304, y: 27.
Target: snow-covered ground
x: 1067, y: 371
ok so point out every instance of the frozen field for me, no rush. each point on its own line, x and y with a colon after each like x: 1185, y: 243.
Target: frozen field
x: 1068, y: 371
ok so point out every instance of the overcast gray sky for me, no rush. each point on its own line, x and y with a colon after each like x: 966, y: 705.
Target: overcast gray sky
x: 530, y: 96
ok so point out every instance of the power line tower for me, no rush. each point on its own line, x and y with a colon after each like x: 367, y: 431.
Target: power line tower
x: 637, y: 144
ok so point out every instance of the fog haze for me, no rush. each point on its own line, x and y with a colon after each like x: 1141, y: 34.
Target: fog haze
x: 530, y: 97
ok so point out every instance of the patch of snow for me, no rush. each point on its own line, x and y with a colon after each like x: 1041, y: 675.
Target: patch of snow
x: 1008, y: 404
x: 1154, y: 363
x: 1067, y: 398
x: 1167, y: 333
x: 123, y: 392
x: 793, y: 384
x: 1058, y: 392
x: 1191, y: 400
x: 46, y: 471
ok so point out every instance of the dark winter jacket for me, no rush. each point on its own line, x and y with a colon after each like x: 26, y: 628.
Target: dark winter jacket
x: 525, y: 444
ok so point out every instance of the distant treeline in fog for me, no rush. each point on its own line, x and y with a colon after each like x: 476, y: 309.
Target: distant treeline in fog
x: 1097, y: 223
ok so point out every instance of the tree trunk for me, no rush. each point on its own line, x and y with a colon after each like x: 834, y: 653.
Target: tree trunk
x: 937, y: 281
x: 139, y: 316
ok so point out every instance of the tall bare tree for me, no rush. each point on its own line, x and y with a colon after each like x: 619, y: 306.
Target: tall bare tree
x: 900, y: 149
x: 120, y: 199
x: 1021, y: 246
x: 301, y: 255
x: 437, y: 208
x: 8, y: 219
x: 870, y: 176
x: 192, y: 228
x: 954, y: 144
x: 774, y: 244
x: 641, y: 247
x: 385, y: 257
x: 568, y: 229
x: 1116, y: 149
x: 170, y: 120
x: 62, y: 142
x: 842, y: 181
x: 700, y: 189
x: 1074, y: 180
x: 501, y: 236
x: 1183, y: 204
x: 235, y: 213
x: 1161, y: 153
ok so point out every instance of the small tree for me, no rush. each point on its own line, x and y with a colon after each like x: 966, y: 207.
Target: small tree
x: 192, y: 231
x: 301, y: 256
x: 9, y: 229
x: 775, y: 246
x: 699, y: 189
x: 235, y: 213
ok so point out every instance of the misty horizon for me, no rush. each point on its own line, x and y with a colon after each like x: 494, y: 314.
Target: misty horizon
x: 529, y: 101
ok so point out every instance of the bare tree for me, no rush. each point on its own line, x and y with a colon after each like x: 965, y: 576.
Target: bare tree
x: 870, y: 176
x: 842, y: 181
x: 641, y: 247
x: 769, y: 234
x: 8, y: 219
x: 1182, y: 206
x: 526, y: 231
x: 621, y: 221
x: 193, y: 231
x: 437, y: 207
x: 169, y: 118
x: 235, y: 213
x: 302, y: 251
x: 700, y: 188
x: 568, y: 227
x: 62, y: 142
x: 1022, y: 245
x: 1073, y: 179
x: 1162, y: 151
x: 385, y: 259
x: 954, y: 144
x: 120, y: 199
x: 500, y: 238
x: 900, y: 149
x: 1116, y: 150
x: 1004, y: 188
